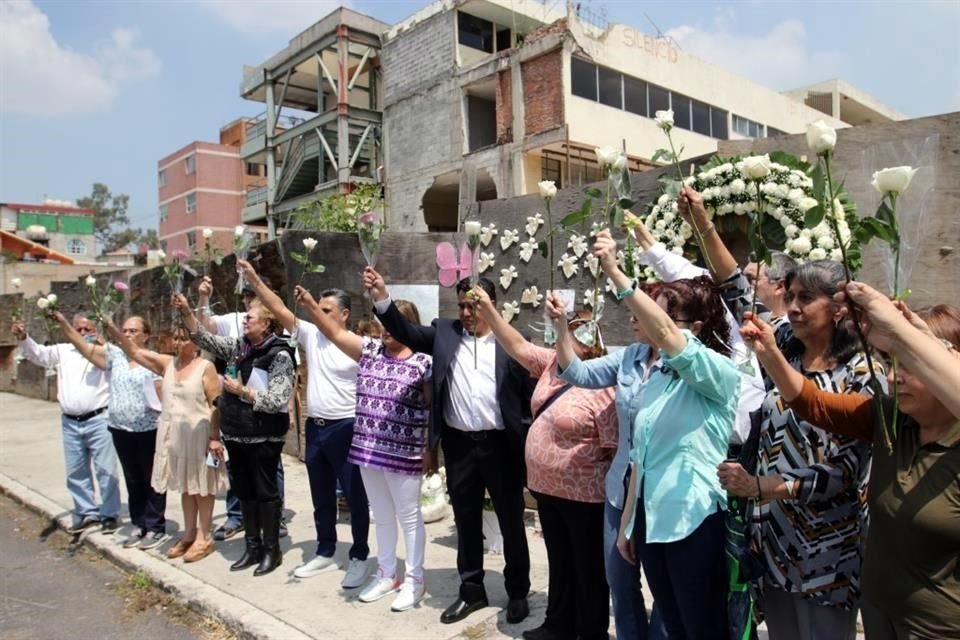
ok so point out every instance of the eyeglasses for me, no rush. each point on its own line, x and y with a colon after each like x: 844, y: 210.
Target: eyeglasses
x: 86, y: 330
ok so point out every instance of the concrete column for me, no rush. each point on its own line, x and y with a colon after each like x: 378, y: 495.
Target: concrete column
x: 271, y: 161
x: 343, y: 108
x: 515, y: 188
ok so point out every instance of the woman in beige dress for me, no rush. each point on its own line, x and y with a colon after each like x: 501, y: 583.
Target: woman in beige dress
x: 188, y: 436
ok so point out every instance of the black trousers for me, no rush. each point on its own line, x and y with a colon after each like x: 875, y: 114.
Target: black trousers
x: 253, y: 470
x: 478, y: 462
x: 136, y: 450
x: 578, y: 599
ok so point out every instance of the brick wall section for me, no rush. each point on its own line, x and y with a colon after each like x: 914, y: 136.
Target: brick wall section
x: 504, y: 108
x: 543, y: 92
x: 560, y: 26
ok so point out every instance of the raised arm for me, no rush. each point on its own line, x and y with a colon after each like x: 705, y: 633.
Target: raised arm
x: 347, y: 341
x: 155, y: 362
x: 758, y: 335
x: 267, y: 297
x: 95, y: 353
x: 223, y: 347
x: 203, y: 302
x: 417, y: 337
x: 40, y: 355
x: 691, y: 208
x: 509, y: 338
x: 667, y: 265
x: 597, y: 373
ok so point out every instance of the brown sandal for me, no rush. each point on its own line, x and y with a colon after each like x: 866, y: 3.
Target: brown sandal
x: 179, y: 548
x: 199, y: 551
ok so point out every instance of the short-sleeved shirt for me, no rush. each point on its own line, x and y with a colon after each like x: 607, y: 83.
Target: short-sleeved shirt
x: 571, y: 444
x: 129, y: 409
x: 390, y: 431
x: 331, y: 375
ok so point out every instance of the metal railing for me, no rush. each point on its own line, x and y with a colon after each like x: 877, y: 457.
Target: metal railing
x: 256, y: 195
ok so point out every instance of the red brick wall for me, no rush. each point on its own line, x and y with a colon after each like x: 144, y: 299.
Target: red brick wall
x: 543, y: 92
x: 504, y: 108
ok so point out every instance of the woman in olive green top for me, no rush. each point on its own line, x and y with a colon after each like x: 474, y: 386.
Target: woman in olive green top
x: 911, y: 572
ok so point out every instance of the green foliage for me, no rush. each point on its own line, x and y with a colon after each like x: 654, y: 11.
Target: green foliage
x: 338, y: 211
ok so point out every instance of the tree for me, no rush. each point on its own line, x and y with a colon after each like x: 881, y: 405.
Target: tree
x: 110, y: 212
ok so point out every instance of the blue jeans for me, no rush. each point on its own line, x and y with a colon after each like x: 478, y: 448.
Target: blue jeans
x: 85, y: 443
x: 234, y: 514
x: 629, y: 612
x: 328, y: 443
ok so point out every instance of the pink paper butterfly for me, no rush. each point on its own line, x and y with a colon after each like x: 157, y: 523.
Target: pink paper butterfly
x: 450, y: 268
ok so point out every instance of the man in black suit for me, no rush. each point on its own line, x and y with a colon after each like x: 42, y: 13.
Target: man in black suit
x: 481, y: 413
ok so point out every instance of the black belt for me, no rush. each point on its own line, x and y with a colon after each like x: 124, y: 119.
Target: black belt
x: 83, y: 417
x: 477, y: 435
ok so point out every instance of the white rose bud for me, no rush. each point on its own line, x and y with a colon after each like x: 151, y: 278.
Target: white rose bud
x: 207, y: 233
x: 821, y: 137
x: 91, y: 281
x: 43, y: 303
x: 801, y: 245
x: 16, y: 282
x: 239, y: 230
x: 548, y: 189
x: 756, y: 167
x: 791, y: 231
x: 606, y: 156
x: 620, y: 163
x: 893, y: 180
x: 664, y: 119
x: 309, y: 243
x: 52, y: 298
x: 807, y: 203
x: 472, y: 227
x: 825, y: 242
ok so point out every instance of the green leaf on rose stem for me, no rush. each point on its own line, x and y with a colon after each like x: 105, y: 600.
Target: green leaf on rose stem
x: 875, y: 228
x: 625, y: 203
x: 615, y: 216
x: 819, y: 182
x: 625, y: 182
x: 544, y: 248
x: 593, y: 192
x: 576, y: 217
x: 906, y: 293
x: 672, y: 189
x: 774, y: 232
x: 813, y: 217
x: 885, y: 213
x: 660, y: 153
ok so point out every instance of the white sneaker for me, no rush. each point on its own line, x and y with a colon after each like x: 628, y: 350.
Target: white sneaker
x: 411, y: 593
x: 320, y: 564
x: 356, y: 574
x: 379, y: 587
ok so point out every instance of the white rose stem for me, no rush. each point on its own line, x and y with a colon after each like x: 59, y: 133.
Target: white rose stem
x: 693, y: 223
x: 758, y: 233
x: 549, y: 331
x: 889, y: 433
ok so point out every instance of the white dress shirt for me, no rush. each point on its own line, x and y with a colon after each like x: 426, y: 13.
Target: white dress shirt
x: 331, y: 375
x: 471, y: 404
x: 81, y: 387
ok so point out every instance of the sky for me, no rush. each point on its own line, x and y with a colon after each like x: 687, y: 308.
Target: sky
x: 99, y: 91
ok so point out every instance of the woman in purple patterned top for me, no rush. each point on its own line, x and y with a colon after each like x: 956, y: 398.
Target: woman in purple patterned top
x: 389, y: 439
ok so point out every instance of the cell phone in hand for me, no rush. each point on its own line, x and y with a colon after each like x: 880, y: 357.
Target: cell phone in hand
x: 212, y: 460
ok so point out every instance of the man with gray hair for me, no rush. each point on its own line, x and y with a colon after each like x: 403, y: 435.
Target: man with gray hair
x: 769, y: 283
x: 83, y: 394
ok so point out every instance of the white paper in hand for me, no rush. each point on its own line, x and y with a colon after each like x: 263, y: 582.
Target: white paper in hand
x: 258, y: 380
x: 150, y: 393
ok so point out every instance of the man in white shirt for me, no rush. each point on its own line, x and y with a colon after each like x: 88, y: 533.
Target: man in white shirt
x: 331, y: 410
x: 84, y: 395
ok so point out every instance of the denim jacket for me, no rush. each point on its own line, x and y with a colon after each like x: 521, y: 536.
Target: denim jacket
x: 679, y: 422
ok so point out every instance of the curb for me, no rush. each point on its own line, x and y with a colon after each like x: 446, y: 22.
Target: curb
x: 240, y: 616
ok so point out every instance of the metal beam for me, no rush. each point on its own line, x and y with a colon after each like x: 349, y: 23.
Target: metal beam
x: 356, y: 74
x: 363, y: 138
x: 326, y: 73
x: 305, y: 127
x: 327, y: 150
x: 279, y: 107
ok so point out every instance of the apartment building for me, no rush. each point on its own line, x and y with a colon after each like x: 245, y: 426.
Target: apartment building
x: 56, y: 230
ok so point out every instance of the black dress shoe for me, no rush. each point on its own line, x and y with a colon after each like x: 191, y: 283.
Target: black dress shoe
x: 461, y: 609
x: 517, y: 610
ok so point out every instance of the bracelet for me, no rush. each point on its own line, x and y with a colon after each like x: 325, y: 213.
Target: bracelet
x: 623, y: 293
x: 711, y: 228
x: 759, y: 490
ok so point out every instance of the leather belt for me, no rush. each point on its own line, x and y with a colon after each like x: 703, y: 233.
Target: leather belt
x: 83, y: 417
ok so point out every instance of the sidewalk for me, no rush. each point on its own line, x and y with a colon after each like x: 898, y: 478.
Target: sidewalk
x: 276, y: 605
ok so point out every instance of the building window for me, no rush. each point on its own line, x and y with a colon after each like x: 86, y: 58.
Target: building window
x: 659, y: 99
x: 718, y: 123
x: 474, y: 32
x: 162, y: 178
x: 747, y: 128
x: 773, y: 133
x: 191, y: 202
x: 700, y: 116
x: 253, y: 169
x: 583, y: 78
x: 552, y: 170
x: 76, y: 247
x: 191, y: 164
x: 191, y: 240
x: 610, y: 87
x: 681, y: 110
x: 635, y: 95
x: 164, y: 211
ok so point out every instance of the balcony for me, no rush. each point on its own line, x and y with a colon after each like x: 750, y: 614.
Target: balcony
x: 256, y: 135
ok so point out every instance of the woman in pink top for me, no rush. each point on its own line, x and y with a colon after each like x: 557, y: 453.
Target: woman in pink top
x: 569, y: 448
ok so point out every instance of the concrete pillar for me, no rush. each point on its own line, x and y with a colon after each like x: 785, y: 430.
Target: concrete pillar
x: 515, y: 188
x: 343, y: 106
x: 271, y: 160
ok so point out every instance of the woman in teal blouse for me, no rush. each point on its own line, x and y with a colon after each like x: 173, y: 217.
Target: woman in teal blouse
x: 679, y: 393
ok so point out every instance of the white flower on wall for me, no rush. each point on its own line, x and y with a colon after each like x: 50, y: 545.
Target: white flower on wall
x: 568, y: 264
x: 531, y: 296
x: 510, y: 310
x: 533, y: 224
x: 611, y: 288
x: 588, y: 298
x: 509, y: 237
x: 507, y: 276
x: 485, y: 262
x: 578, y: 244
x: 526, y: 250
x: 592, y: 263
x: 487, y: 233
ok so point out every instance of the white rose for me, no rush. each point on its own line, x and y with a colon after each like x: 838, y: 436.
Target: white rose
x: 756, y: 167
x: 725, y: 209
x: 806, y: 233
x: 807, y: 203
x: 839, y: 213
x: 801, y: 245
x: 472, y: 227
x: 43, y: 303
x: 677, y: 250
x: 738, y: 186
x: 239, y: 230
x: 777, y: 213
x: 791, y: 231
x: 818, y: 254
x: 795, y: 195
x: 52, y: 298
x: 819, y: 231
x: 893, y: 180
x: 207, y: 233
x: 16, y: 282
x: 821, y: 137
x: 606, y: 156
x: 661, y: 225
x: 738, y: 209
x: 788, y: 245
x: 309, y: 243
x: 825, y: 242
x: 678, y: 241
x: 91, y: 281
x: 620, y: 163
x: 836, y: 255
x: 664, y: 199
x: 844, y: 233
x: 724, y: 191
x: 664, y: 119
x: 669, y: 217
x: 749, y: 207
x: 548, y: 189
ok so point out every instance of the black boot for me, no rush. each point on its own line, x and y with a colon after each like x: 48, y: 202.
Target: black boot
x: 251, y: 534
x: 271, y: 558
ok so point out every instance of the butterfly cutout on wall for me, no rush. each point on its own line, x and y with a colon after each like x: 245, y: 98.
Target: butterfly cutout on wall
x: 451, y: 266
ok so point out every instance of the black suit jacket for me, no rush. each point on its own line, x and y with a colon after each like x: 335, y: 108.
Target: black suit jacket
x: 442, y: 341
